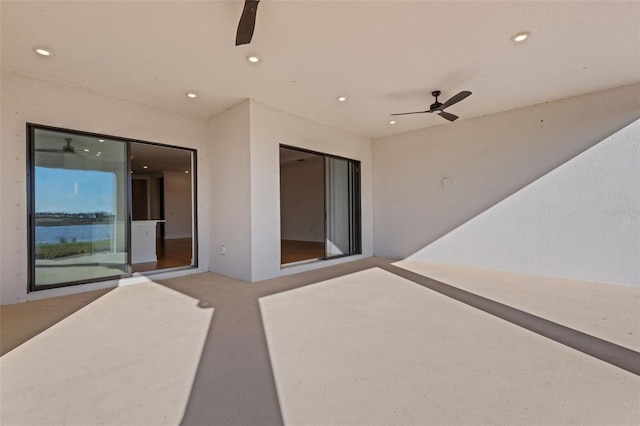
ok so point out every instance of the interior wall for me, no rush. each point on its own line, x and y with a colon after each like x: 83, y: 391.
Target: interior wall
x: 154, y: 199
x: 580, y: 221
x: 302, y: 200
x: 230, y: 190
x: 29, y: 100
x: 177, y: 205
x: 140, y: 197
x: 270, y: 128
x: 490, y: 159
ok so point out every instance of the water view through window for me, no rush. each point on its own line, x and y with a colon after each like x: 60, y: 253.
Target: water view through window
x: 80, y: 198
x: 103, y: 208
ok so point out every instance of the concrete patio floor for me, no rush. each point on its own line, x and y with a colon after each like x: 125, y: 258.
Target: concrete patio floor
x: 362, y: 343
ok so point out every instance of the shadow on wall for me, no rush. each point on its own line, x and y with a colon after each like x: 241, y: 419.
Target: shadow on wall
x: 580, y: 221
x: 489, y: 158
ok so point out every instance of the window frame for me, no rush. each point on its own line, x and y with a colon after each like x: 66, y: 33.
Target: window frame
x: 355, y: 225
x: 30, y: 207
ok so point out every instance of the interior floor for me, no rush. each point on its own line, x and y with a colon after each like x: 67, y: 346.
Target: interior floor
x: 172, y: 253
x: 296, y: 251
x: 364, y: 342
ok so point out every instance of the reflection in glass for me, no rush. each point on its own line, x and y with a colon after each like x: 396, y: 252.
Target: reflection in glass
x: 338, y: 238
x: 79, y: 188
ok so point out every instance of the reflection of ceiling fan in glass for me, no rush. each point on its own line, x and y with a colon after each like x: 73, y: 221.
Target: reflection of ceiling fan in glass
x: 66, y: 149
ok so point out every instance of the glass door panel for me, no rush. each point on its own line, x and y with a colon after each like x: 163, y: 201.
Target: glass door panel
x: 338, y: 207
x: 79, y: 187
x: 162, y: 207
x: 301, y: 206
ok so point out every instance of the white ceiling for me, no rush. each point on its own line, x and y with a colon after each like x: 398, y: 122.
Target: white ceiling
x: 385, y: 56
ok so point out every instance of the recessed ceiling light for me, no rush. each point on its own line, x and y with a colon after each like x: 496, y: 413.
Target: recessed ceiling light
x: 145, y: 167
x: 98, y: 154
x: 100, y: 140
x: 86, y: 150
x: 191, y: 95
x: 520, y: 37
x: 342, y: 98
x: 43, y: 51
x: 253, y: 59
x: 392, y: 122
x: 186, y: 171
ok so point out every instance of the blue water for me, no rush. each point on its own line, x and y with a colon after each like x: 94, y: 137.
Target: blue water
x: 54, y: 234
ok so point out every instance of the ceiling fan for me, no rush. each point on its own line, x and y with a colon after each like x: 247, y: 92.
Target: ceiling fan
x: 66, y: 149
x: 247, y: 22
x: 438, y: 108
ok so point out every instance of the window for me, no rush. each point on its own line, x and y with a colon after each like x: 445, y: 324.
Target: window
x: 80, y: 206
x: 319, y: 206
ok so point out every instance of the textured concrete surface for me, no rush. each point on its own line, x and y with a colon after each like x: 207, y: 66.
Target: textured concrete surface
x: 610, y: 312
x: 350, y: 344
x: 374, y: 348
x: 20, y: 322
x: 127, y: 358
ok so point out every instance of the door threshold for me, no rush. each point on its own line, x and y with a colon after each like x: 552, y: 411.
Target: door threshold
x: 301, y: 262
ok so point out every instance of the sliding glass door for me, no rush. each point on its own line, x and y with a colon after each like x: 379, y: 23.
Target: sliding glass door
x: 342, y: 207
x: 162, y: 207
x: 104, y: 208
x: 319, y: 206
x: 79, y: 210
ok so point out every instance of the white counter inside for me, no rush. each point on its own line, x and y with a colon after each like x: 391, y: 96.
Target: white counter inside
x: 143, y: 241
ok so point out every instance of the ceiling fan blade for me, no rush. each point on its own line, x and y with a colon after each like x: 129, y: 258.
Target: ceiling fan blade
x: 247, y: 22
x: 455, y: 99
x: 448, y: 116
x: 415, y: 112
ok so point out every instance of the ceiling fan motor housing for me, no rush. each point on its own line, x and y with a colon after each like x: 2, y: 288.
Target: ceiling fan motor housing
x: 68, y: 147
x: 436, y: 104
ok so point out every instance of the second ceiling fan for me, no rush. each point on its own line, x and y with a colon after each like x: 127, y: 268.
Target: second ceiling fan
x: 438, y: 108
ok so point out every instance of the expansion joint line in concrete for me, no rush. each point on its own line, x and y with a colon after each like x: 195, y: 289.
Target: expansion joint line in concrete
x: 603, y: 350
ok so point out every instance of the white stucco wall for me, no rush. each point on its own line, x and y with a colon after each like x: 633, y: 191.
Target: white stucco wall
x: 230, y: 189
x: 30, y: 100
x: 245, y: 186
x: 270, y: 128
x: 580, y: 221
x: 556, y: 228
